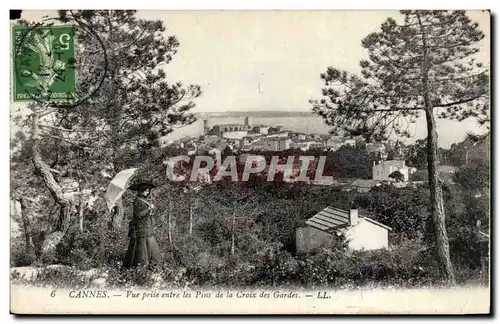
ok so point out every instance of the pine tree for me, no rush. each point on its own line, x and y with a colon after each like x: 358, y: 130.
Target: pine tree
x: 426, y: 65
x: 123, y: 106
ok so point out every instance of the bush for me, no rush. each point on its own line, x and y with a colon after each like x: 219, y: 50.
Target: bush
x: 59, y: 277
x: 273, y: 267
x: 265, y: 242
x: 18, y: 255
x: 97, y: 246
x: 138, y: 276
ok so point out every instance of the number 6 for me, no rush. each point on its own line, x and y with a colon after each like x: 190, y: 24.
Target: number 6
x: 64, y: 40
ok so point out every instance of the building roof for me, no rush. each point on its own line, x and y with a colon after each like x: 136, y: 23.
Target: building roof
x: 372, y: 147
x: 365, y: 183
x: 447, y: 168
x: 397, y: 163
x: 331, y: 219
x: 223, y: 125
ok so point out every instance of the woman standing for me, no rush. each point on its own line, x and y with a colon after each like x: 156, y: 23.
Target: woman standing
x: 143, y: 248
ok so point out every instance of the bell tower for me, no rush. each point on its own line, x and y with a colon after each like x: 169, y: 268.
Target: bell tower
x: 206, y: 127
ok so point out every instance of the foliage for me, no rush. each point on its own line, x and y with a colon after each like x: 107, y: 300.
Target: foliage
x: 114, y: 128
x: 425, y: 64
x: 18, y: 255
x: 407, y: 266
x: 405, y: 210
x: 397, y: 176
x: 243, y: 234
x: 474, y: 176
x: 265, y: 252
x: 346, y: 162
x: 389, y: 93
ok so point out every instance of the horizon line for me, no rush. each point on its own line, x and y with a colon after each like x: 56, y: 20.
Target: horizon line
x: 252, y: 111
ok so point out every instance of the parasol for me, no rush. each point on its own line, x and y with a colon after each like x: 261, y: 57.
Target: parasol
x: 118, y: 185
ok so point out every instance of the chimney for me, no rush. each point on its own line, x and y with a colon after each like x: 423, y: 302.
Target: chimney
x: 353, y: 215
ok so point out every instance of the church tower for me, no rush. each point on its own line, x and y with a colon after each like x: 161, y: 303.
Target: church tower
x: 248, y: 122
x: 206, y: 127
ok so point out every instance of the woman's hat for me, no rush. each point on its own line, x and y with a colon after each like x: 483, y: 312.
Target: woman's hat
x: 141, y: 186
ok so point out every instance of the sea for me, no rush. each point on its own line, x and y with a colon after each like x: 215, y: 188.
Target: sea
x: 449, y: 131
x: 304, y: 124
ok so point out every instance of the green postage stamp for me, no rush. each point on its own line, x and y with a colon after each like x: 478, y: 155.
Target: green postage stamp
x: 44, y: 63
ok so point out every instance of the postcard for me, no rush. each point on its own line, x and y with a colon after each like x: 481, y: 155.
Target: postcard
x: 250, y: 162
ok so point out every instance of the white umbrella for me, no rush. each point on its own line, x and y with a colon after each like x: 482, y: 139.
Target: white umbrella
x: 118, y: 186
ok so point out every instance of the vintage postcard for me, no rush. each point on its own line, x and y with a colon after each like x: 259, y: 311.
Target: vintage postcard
x: 250, y: 162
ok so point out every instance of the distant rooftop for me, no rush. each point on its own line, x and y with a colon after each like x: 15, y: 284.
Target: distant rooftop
x: 447, y: 168
x: 398, y: 163
x: 365, y: 183
x: 229, y: 125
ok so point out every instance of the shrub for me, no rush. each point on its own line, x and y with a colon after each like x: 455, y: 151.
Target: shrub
x: 137, y: 276
x: 18, y: 255
x: 274, y: 267
x: 62, y: 277
x: 97, y: 246
x: 404, y: 266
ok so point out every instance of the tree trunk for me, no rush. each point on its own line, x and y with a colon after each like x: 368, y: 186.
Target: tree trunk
x: 117, y: 216
x: 81, y: 208
x: 190, y: 218
x: 169, y: 216
x: 52, y: 239
x: 115, y: 109
x: 26, y: 226
x: 80, y: 217
x: 437, y: 204
x: 55, y: 190
x: 436, y: 193
x: 233, y: 229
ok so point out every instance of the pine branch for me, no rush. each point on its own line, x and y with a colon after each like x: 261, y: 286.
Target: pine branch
x: 395, y: 109
x: 66, y: 140
x: 458, y: 102
x: 62, y: 129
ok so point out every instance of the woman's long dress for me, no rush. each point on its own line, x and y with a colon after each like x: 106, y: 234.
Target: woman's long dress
x: 143, y: 248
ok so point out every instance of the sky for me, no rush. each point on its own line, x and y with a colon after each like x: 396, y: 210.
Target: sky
x: 271, y: 60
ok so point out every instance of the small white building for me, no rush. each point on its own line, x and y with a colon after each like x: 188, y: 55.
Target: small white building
x: 262, y: 129
x: 301, y: 136
x: 277, y: 144
x: 234, y: 135
x: 375, y: 148
x: 383, y: 169
x: 361, y: 233
x: 350, y: 142
x: 306, y: 145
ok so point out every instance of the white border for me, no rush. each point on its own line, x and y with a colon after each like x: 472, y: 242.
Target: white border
x: 187, y: 5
